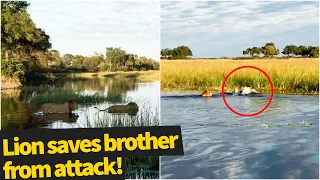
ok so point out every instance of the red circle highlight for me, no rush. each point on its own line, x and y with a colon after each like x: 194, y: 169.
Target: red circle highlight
x: 254, y: 114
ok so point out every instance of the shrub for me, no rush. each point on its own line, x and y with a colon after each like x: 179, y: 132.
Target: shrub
x: 12, y: 68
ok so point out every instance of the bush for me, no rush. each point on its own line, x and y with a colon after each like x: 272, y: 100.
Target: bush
x: 12, y: 68
x: 105, y: 67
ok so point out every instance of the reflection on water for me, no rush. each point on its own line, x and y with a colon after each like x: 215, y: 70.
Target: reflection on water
x: 220, y: 144
x: 18, y: 111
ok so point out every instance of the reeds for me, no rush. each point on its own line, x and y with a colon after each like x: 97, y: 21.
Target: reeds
x: 146, y: 167
x: 61, y: 96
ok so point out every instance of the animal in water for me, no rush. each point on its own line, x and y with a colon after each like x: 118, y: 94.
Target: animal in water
x: 206, y: 93
x: 72, y: 117
x: 307, y: 124
x: 59, y: 108
x: 248, y: 90
x: 228, y: 92
x: 237, y: 91
x: 131, y: 108
x: 264, y: 125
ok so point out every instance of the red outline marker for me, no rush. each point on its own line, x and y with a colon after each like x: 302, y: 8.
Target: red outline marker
x: 254, y: 114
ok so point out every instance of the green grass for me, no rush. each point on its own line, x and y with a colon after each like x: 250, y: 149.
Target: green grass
x: 288, y: 75
x: 146, y: 167
x: 61, y: 96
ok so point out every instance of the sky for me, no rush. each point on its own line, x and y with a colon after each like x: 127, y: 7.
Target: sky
x: 226, y: 28
x: 83, y: 27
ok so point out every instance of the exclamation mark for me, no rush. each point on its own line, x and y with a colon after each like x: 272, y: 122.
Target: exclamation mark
x: 119, y: 161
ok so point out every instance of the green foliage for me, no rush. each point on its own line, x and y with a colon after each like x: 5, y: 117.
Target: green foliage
x: 315, y: 52
x: 180, y: 52
x: 12, y: 68
x: 22, y: 43
x: 67, y: 59
x: 290, y: 50
x: 253, y: 51
x: 61, y: 96
x: 142, y: 167
x: 269, y: 50
x: 19, y: 34
x: 293, y: 50
x: 92, y: 63
x: 120, y: 60
x: 105, y: 67
x: 116, y: 57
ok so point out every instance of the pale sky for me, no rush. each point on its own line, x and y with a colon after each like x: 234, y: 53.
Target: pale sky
x: 83, y: 27
x: 226, y: 28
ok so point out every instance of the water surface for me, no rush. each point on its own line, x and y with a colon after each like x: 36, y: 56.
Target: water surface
x: 220, y: 144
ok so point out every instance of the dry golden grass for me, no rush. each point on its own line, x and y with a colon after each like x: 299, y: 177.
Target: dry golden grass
x: 287, y: 75
x: 143, y: 76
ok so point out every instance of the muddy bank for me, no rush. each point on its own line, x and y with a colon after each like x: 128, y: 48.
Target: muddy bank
x: 10, y: 83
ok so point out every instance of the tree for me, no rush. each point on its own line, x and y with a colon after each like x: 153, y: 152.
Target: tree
x: 252, y: 51
x: 24, y: 47
x: 164, y: 52
x: 183, y: 51
x: 269, y: 50
x: 19, y: 35
x: 290, y: 50
x: 131, y: 60
x: 245, y: 52
x: 179, y: 52
x: 92, y: 63
x: 115, y: 57
x: 67, y: 60
x: 78, y: 61
x: 315, y: 52
x: 55, y: 57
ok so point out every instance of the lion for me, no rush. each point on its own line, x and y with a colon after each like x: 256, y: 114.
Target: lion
x: 57, y: 108
x: 130, y: 108
x: 206, y: 93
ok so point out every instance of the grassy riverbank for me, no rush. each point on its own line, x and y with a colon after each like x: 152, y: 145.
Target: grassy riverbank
x: 294, y: 75
x: 142, y: 76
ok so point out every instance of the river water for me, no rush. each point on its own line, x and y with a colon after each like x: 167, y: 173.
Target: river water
x: 278, y: 143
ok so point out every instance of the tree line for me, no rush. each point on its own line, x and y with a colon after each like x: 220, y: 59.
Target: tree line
x: 269, y: 50
x: 114, y: 59
x: 25, y: 48
x: 180, y: 52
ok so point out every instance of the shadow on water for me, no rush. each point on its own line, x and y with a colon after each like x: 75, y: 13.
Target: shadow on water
x: 282, y: 142
x: 20, y: 110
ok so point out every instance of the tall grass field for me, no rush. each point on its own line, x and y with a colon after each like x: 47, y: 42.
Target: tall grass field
x: 296, y: 75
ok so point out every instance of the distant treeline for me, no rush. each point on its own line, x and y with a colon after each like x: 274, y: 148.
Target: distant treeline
x: 115, y: 59
x: 180, y: 52
x: 26, y: 48
x: 269, y: 50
